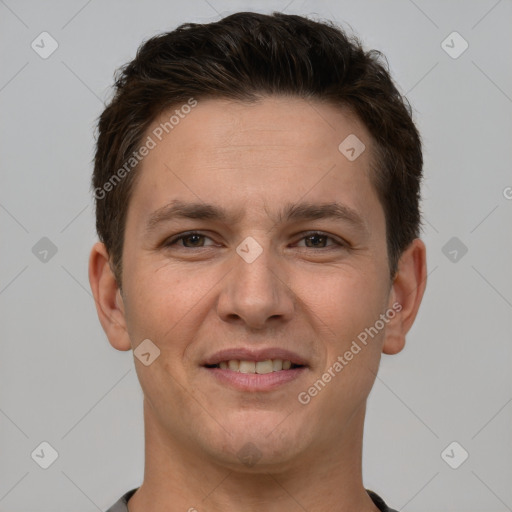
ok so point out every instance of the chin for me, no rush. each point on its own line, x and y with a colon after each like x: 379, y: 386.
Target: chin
x: 257, y: 457
x: 255, y: 447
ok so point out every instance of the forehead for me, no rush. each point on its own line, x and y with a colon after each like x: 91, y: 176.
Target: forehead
x: 274, y: 151
x: 275, y: 123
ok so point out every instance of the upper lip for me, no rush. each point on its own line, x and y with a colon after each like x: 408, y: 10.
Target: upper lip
x: 251, y: 354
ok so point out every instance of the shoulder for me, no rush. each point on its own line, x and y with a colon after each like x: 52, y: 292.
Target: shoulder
x: 122, y: 504
x: 379, y: 502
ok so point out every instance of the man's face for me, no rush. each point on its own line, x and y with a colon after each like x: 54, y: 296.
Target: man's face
x: 284, y: 288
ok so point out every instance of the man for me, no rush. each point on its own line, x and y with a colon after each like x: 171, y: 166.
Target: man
x: 257, y: 183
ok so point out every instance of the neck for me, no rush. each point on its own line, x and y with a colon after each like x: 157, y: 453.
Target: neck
x: 178, y: 479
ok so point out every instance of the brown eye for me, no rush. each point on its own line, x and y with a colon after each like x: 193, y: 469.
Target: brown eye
x: 315, y: 239
x: 319, y: 240
x: 193, y: 239
x: 189, y: 240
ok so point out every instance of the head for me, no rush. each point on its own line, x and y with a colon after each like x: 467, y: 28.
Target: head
x: 247, y: 117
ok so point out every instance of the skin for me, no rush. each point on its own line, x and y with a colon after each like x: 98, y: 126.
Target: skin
x: 200, y: 296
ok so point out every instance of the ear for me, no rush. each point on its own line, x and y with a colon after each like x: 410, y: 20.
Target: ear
x: 406, y: 295
x: 107, y: 295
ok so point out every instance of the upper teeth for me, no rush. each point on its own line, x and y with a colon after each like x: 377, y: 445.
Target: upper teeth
x: 267, y: 366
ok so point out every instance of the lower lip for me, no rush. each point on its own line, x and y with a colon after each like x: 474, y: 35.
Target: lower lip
x: 255, y: 381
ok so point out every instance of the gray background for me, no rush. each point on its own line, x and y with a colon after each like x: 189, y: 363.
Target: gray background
x: 60, y: 380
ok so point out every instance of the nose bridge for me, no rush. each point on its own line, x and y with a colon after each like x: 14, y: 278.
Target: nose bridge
x: 254, y: 292
x: 254, y: 270
x: 254, y: 267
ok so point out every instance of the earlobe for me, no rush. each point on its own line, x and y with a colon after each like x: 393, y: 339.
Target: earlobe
x: 109, y: 303
x: 406, y: 294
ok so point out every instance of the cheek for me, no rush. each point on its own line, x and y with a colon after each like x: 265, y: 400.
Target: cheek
x: 343, y: 301
x: 353, y: 303
x: 156, y: 300
x: 168, y: 305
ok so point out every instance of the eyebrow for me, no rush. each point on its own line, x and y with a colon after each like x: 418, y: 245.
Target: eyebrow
x: 177, y: 209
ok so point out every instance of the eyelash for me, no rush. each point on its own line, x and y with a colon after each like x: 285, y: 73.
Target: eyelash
x: 172, y: 242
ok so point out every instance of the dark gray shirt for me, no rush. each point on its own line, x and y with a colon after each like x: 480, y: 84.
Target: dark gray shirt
x: 121, y: 505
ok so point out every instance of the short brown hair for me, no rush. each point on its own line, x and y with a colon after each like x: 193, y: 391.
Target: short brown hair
x: 247, y: 56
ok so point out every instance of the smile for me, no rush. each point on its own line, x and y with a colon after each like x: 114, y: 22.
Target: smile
x: 259, y: 367
x: 255, y: 376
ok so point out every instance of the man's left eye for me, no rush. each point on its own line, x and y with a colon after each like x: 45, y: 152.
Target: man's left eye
x: 314, y: 238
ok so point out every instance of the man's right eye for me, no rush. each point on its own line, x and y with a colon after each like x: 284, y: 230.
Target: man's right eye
x: 195, y: 237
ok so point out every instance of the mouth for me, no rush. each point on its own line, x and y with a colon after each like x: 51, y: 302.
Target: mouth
x: 256, y: 367
x: 255, y: 372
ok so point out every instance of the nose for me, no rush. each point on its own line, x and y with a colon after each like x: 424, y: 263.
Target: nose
x: 257, y: 293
